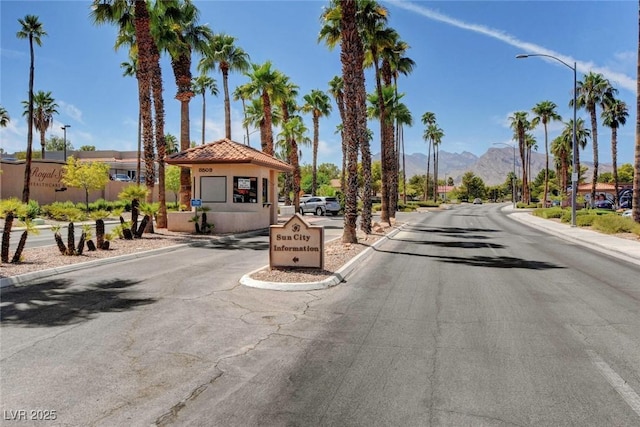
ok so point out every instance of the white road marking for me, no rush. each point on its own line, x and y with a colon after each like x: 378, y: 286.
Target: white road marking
x: 616, y: 381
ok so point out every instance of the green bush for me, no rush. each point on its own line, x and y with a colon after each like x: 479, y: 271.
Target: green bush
x: 100, y: 205
x: 585, y: 220
x: 554, y: 212
x: 612, y: 224
x: 64, y: 211
x: 33, y: 209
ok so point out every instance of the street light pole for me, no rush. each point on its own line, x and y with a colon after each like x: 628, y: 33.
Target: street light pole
x: 513, y: 179
x: 574, y: 153
x: 64, y: 128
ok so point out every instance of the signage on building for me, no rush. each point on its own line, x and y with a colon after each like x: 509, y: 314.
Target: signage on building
x: 196, y: 203
x: 296, y: 243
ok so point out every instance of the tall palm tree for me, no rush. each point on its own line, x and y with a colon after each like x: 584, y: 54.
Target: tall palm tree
x: 223, y: 52
x: 240, y: 94
x: 582, y: 138
x: 44, y: 107
x: 561, y: 150
x: 4, y: 117
x: 294, y: 134
x: 614, y: 115
x: 520, y: 125
x: 319, y: 105
x: 434, y: 135
x: 32, y: 29
x: 335, y: 90
x: 372, y: 20
x: 402, y: 117
x: 263, y: 83
x: 284, y: 95
x: 201, y: 85
x: 593, y: 90
x: 544, y: 112
x: 180, y: 36
x: 130, y: 69
x: 351, y: 57
x: 428, y: 119
x: 332, y: 32
x: 133, y: 19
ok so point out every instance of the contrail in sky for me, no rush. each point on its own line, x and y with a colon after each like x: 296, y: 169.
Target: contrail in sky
x: 620, y: 79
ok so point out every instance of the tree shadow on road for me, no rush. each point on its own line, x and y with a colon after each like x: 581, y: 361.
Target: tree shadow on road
x: 452, y: 244
x: 58, y: 303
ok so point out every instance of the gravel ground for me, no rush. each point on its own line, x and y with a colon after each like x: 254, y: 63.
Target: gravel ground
x: 336, y: 255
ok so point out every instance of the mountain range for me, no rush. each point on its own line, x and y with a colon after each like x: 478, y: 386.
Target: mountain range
x: 492, y: 167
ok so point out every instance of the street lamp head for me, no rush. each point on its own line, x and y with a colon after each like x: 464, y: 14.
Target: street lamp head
x: 522, y: 55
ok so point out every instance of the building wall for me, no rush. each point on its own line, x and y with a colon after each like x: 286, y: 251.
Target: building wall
x: 46, y: 178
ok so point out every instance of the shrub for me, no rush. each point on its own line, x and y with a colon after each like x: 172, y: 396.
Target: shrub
x: 555, y: 212
x: 612, y: 224
x: 64, y: 211
x: 100, y: 205
x: 585, y: 220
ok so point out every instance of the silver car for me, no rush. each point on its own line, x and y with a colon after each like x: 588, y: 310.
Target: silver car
x: 313, y: 204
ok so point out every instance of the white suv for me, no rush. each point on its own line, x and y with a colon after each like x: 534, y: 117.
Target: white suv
x: 318, y: 205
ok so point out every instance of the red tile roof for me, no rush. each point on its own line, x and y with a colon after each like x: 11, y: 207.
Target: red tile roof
x: 226, y: 151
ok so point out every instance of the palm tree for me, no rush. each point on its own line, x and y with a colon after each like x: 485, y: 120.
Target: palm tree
x: 201, y: 85
x: 351, y: 57
x: 614, y: 115
x: 294, y: 133
x: 582, y: 138
x: 335, y: 89
x: 545, y: 111
x: 130, y: 69
x: 44, y: 107
x: 561, y: 150
x: 33, y: 30
x: 434, y: 135
x: 222, y: 52
x: 403, y: 117
x: 594, y: 89
x: 372, y: 19
x: 135, y: 30
x: 520, y: 125
x: 319, y: 105
x: 4, y: 117
x: 180, y: 36
x: 240, y: 94
x: 263, y: 82
x: 172, y: 143
x: 428, y: 119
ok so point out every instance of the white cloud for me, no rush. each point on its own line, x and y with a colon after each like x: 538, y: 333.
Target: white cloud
x: 620, y: 79
x: 71, y: 111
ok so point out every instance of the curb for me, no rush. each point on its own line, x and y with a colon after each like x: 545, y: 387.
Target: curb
x: 336, y: 278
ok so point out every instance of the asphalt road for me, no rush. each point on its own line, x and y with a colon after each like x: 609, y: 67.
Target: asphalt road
x: 462, y: 318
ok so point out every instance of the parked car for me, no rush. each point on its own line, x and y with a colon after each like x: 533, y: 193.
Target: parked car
x: 332, y: 206
x: 477, y: 201
x: 313, y: 204
x: 603, y: 204
x: 122, y: 177
x: 625, y: 198
x: 627, y: 213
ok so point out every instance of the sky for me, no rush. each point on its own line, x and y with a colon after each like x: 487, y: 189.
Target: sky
x: 466, y: 69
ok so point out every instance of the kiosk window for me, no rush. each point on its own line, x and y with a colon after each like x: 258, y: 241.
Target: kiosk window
x: 213, y: 189
x: 245, y: 189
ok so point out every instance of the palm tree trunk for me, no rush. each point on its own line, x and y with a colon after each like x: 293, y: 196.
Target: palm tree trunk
x: 614, y: 160
x: 227, y: 103
x: 546, y: 168
x: 426, y: 184
x: 594, y: 138
x: 204, y: 115
x: 42, y: 143
x: 27, y: 167
x: 314, y: 168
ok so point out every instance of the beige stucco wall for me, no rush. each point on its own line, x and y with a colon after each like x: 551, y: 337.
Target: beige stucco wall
x: 45, y: 179
x: 227, y: 216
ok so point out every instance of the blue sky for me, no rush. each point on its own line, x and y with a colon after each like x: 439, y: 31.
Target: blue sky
x: 466, y: 71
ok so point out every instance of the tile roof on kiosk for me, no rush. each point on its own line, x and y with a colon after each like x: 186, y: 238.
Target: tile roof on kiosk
x: 226, y: 151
